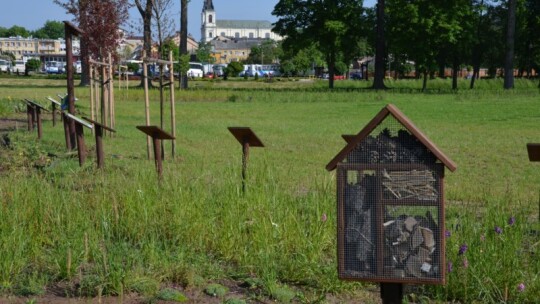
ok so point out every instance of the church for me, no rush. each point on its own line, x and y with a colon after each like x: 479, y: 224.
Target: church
x: 212, y: 27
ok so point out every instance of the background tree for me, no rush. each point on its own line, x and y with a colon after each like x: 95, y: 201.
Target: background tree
x: 145, y: 10
x: 16, y: 30
x: 50, y: 30
x: 330, y: 24
x: 233, y: 69
x: 100, y: 21
x: 266, y: 52
x: 183, y: 39
x: 163, y: 22
x: 380, y: 48
x: 510, y: 36
x: 32, y: 65
x: 204, y: 53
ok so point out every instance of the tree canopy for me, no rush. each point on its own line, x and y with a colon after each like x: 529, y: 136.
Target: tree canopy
x: 333, y: 25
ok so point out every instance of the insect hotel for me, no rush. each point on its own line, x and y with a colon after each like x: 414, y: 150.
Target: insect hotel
x: 390, y: 194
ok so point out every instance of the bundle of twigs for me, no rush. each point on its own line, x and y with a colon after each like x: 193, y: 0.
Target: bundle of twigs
x: 410, y: 184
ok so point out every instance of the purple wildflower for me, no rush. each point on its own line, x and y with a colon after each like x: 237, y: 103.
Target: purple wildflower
x: 447, y: 233
x: 324, y: 217
x: 498, y: 230
x: 465, y: 263
x: 511, y: 221
x: 462, y: 249
x: 482, y: 237
x: 450, y: 266
x: 521, y: 287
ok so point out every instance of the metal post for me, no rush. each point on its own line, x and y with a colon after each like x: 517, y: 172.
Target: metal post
x: 157, y: 156
x: 38, y: 118
x: 53, y: 114
x: 29, y: 116
x: 99, y: 146
x: 245, y: 157
x: 391, y: 293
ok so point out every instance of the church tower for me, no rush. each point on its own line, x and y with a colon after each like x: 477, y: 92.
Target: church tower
x: 208, y: 22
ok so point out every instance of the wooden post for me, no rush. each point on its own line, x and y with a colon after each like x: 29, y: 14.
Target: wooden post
x: 104, y: 96
x: 92, y: 80
x: 66, y: 131
x: 111, y: 93
x: 173, y: 111
x: 81, y: 147
x: 53, y: 114
x: 146, y: 102
x: 70, y: 30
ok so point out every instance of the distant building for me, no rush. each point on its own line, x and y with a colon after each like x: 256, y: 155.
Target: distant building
x: 192, y: 44
x: 212, y: 27
x: 226, y: 50
x: 26, y: 47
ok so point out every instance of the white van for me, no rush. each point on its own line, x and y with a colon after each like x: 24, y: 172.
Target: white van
x: 195, y: 70
x: 19, y: 66
x: 5, y: 65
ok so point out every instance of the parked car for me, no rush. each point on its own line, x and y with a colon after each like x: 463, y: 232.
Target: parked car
x: 195, y: 70
x: 52, y: 67
x: 19, y: 66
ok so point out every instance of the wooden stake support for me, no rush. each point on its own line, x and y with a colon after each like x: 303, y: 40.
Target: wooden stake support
x: 246, y: 137
x: 35, y: 108
x: 79, y: 124
x: 54, y: 105
x: 157, y: 136
x: 99, y: 141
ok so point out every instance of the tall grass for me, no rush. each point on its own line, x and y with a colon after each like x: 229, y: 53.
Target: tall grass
x: 119, y: 230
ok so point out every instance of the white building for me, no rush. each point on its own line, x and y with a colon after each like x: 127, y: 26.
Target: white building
x: 212, y: 27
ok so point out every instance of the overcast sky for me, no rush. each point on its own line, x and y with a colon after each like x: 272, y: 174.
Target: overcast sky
x: 32, y: 14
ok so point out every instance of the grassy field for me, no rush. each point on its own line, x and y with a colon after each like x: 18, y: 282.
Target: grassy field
x: 118, y: 231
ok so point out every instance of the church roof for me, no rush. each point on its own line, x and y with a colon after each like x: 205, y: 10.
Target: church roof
x: 221, y: 43
x: 244, y: 24
x: 208, y: 5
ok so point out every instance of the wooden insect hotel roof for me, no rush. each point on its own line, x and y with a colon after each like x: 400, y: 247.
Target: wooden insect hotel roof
x: 391, y: 109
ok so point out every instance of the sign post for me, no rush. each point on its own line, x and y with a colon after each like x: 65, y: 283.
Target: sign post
x: 246, y: 137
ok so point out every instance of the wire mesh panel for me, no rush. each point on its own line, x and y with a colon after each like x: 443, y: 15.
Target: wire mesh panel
x: 390, y: 211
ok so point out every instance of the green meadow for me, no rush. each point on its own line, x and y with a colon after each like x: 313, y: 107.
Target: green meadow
x: 116, y: 231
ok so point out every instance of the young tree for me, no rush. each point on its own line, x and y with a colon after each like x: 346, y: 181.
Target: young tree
x: 330, y: 24
x: 100, y: 22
